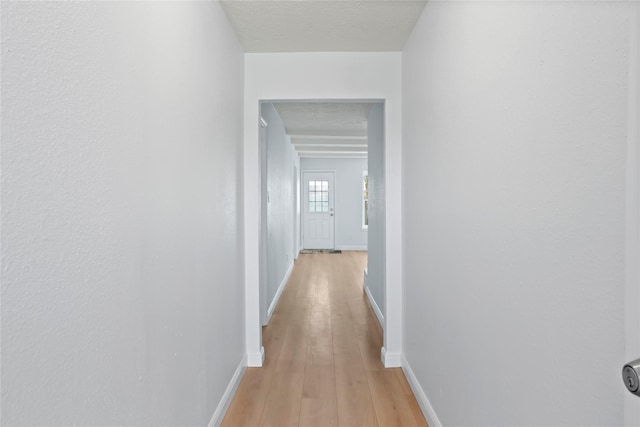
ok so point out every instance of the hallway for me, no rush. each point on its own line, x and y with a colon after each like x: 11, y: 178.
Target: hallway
x: 322, y: 364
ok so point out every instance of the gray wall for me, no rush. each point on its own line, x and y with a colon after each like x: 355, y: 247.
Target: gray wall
x: 514, y: 145
x: 349, y: 234
x: 122, y: 268
x: 281, y: 185
x: 377, y: 217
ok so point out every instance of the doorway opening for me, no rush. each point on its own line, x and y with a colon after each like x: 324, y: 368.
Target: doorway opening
x: 330, y: 145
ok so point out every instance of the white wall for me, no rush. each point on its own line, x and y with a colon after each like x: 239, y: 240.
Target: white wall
x: 514, y: 144
x: 349, y: 234
x: 325, y: 76
x: 632, y: 256
x: 377, y: 216
x: 122, y: 301
x: 281, y: 184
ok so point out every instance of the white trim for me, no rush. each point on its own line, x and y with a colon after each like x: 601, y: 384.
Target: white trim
x: 276, y: 298
x: 390, y: 359
x: 256, y: 360
x: 427, y: 410
x: 373, y: 304
x: 352, y: 248
x: 263, y: 237
x: 362, y: 224
x: 223, y: 405
x: 296, y: 206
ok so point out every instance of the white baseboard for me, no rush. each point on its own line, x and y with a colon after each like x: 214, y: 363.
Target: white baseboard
x: 352, y: 248
x: 389, y: 359
x: 373, y: 304
x: 221, y: 410
x: 276, y: 297
x: 255, y: 360
x: 427, y: 410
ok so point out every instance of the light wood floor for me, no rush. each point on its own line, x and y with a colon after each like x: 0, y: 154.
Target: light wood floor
x: 322, y: 364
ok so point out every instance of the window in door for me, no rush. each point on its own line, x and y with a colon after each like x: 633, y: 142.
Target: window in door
x: 318, y: 196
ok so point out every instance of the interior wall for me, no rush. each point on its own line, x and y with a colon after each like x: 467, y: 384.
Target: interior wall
x: 632, y: 261
x: 281, y: 158
x: 514, y: 146
x: 325, y: 76
x: 377, y: 206
x: 297, y: 213
x: 122, y: 264
x: 349, y: 234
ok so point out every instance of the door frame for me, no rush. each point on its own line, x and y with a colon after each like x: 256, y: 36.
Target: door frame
x: 303, y: 211
x: 263, y: 234
x: 272, y: 81
x: 296, y: 211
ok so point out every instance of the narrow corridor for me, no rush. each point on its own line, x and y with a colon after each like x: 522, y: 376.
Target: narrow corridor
x: 322, y: 364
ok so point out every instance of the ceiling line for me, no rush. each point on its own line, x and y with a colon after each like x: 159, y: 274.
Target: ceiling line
x: 330, y: 137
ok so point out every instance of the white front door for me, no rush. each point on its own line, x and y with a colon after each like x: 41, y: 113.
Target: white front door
x: 318, y: 210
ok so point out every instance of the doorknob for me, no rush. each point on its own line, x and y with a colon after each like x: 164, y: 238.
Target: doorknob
x: 631, y: 376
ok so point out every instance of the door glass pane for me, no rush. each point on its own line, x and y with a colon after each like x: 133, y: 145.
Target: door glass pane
x: 318, y: 196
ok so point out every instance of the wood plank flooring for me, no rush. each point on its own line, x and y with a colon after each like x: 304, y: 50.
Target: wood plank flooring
x: 322, y: 366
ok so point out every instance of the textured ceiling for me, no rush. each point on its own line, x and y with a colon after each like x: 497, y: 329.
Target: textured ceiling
x: 323, y: 25
x: 326, y: 129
